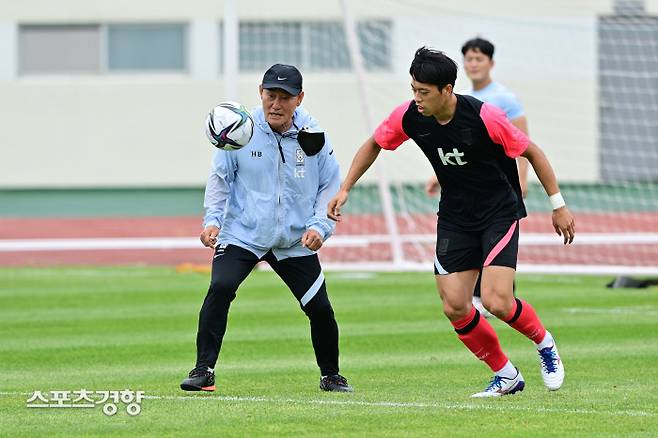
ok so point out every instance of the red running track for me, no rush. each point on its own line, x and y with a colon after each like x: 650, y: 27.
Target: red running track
x: 185, y: 226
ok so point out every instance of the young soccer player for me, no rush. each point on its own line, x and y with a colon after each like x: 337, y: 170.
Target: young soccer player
x: 478, y: 62
x: 472, y: 147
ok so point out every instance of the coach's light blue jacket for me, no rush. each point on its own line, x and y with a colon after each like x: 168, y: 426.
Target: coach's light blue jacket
x: 261, y: 200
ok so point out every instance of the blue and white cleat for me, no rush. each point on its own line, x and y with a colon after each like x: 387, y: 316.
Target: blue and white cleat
x: 552, y: 369
x: 500, y: 386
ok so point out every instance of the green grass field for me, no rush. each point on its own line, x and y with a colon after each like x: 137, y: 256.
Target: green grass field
x: 117, y: 328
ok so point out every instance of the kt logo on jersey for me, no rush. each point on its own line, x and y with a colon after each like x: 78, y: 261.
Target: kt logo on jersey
x: 451, y: 158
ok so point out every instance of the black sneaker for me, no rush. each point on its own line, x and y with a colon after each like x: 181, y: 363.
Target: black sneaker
x: 199, y: 379
x: 336, y: 383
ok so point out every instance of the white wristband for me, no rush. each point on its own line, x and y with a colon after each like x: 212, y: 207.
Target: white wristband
x: 557, y: 201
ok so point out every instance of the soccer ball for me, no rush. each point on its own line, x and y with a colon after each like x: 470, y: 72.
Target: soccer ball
x: 229, y: 126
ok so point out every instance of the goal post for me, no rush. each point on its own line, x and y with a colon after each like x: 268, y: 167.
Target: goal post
x: 585, y: 74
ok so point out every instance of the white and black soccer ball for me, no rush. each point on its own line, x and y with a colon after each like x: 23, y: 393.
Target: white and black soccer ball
x: 229, y: 126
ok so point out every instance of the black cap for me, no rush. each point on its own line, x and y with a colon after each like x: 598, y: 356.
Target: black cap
x: 285, y: 77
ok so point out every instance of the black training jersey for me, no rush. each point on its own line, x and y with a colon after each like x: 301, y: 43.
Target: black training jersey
x: 473, y: 156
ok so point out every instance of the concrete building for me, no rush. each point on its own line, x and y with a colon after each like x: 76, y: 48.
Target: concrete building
x: 109, y: 93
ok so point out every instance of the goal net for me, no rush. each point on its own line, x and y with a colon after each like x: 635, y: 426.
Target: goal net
x: 588, y: 82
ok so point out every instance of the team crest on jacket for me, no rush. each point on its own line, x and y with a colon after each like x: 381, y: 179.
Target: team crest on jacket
x: 299, y: 155
x: 299, y: 163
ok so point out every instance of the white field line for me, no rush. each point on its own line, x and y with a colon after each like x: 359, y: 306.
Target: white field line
x: 525, y: 268
x: 12, y: 245
x: 390, y: 404
x: 613, y: 311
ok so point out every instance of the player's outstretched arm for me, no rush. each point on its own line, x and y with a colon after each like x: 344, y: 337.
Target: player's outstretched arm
x: 563, y: 220
x: 365, y: 156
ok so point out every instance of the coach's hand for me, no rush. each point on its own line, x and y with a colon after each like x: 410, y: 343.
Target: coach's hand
x: 333, y: 208
x: 209, y: 236
x: 564, y: 224
x: 312, y: 240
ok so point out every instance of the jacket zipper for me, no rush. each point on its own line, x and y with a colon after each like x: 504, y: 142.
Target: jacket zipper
x: 279, y: 139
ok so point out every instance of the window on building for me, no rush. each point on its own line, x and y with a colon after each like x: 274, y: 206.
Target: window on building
x: 146, y: 47
x: 98, y: 48
x: 48, y: 49
x: 313, y: 46
x: 326, y: 46
x: 264, y: 44
x: 375, y: 40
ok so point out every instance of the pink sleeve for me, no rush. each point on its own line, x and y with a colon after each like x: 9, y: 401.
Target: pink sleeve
x: 389, y: 134
x: 502, y: 132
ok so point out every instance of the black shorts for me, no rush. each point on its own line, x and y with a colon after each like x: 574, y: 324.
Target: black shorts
x: 303, y: 275
x: 458, y: 251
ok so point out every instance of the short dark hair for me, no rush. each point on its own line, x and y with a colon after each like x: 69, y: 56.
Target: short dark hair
x: 479, y: 45
x: 433, y: 67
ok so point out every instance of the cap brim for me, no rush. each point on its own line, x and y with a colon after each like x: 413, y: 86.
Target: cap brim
x: 286, y: 88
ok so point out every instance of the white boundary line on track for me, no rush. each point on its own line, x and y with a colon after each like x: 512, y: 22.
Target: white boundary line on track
x: 544, y: 239
x: 388, y: 404
x: 169, y: 243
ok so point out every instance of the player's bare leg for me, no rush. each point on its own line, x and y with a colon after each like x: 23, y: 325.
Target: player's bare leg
x: 496, y: 288
x: 456, y: 290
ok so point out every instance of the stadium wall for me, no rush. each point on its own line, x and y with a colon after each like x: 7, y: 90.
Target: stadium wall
x: 122, y: 130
